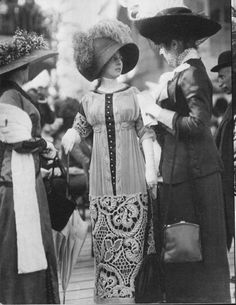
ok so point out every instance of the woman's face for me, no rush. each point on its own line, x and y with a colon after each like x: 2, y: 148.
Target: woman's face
x: 114, y: 66
x: 169, y: 53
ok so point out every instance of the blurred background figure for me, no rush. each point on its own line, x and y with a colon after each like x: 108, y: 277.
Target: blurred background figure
x: 218, y: 111
x: 38, y: 91
x: 223, y: 138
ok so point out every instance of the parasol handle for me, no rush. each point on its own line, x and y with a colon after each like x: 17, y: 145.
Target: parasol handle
x: 64, y: 297
x: 67, y: 174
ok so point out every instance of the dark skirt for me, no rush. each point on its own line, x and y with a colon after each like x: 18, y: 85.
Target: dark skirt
x: 206, y: 281
x: 33, y: 288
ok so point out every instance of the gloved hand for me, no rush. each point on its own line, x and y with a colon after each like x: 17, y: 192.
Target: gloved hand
x: 69, y: 139
x: 150, y: 173
x: 151, y: 178
x: 50, y: 152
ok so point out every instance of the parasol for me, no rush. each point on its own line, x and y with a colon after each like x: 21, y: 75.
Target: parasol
x: 68, y: 244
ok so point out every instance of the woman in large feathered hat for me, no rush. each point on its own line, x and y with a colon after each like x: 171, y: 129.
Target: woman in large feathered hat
x: 184, y: 114
x: 27, y: 259
x: 118, y: 193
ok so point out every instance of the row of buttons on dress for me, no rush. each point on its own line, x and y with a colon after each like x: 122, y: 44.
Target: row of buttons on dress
x: 111, y: 138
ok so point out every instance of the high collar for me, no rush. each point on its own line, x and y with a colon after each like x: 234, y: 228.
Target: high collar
x: 187, y: 54
x: 109, y: 85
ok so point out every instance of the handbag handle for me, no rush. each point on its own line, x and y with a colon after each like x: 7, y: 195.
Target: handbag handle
x: 65, y: 173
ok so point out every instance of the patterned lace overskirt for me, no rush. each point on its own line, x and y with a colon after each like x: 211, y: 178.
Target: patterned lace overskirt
x: 118, y: 224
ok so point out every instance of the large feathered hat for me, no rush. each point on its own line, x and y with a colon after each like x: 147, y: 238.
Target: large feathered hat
x: 177, y: 22
x: 23, y: 49
x: 93, y: 49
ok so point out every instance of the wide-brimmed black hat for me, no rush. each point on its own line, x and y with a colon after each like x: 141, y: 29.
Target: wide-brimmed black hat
x: 224, y: 60
x: 177, y: 22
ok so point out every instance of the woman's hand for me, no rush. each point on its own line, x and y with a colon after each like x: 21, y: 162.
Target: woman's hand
x: 56, y: 173
x: 44, y: 172
x: 50, y: 152
x: 151, y: 178
x: 69, y: 139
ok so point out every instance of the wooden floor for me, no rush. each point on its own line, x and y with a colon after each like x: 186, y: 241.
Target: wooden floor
x: 80, y: 289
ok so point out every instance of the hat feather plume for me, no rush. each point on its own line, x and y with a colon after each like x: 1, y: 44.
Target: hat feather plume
x: 83, y: 41
x: 113, y: 29
x: 83, y: 51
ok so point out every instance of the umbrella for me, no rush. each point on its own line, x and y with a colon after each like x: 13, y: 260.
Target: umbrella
x: 68, y: 244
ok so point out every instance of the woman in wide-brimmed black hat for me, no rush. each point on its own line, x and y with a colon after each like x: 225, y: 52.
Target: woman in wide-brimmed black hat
x: 184, y: 116
x: 117, y: 186
x: 28, y: 270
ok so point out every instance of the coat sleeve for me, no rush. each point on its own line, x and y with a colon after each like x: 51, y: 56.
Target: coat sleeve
x: 197, y: 91
x: 11, y: 97
x: 143, y: 132
x: 81, y: 124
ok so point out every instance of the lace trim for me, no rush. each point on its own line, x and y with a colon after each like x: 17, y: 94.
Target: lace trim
x: 119, y: 224
x: 81, y: 125
x: 187, y: 54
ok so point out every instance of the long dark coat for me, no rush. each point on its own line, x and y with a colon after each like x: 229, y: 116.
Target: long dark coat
x: 224, y: 143
x: 39, y: 287
x: 190, y: 96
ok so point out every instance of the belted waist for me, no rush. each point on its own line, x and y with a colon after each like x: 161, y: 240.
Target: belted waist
x: 121, y: 125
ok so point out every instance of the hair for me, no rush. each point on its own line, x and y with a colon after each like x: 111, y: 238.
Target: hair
x: 186, y: 42
x: 99, y: 81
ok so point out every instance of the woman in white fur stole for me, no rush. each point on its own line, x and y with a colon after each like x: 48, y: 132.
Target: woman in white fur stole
x: 28, y: 271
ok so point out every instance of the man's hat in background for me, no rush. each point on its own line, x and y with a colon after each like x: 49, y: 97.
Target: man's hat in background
x: 224, y: 60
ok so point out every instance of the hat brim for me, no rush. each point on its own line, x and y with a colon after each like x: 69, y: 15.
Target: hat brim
x: 163, y: 27
x: 129, y: 53
x: 220, y: 66
x: 31, y: 59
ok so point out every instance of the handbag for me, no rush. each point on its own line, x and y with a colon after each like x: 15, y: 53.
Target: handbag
x: 148, y: 281
x: 182, y: 243
x: 60, y: 202
x: 182, y: 240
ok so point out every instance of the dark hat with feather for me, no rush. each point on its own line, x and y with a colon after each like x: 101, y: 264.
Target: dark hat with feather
x: 93, y: 49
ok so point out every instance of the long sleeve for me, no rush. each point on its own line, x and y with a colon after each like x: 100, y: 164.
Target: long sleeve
x: 196, y: 90
x: 81, y: 124
x: 143, y: 132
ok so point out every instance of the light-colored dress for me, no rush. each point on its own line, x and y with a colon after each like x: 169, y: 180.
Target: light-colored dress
x: 118, y: 194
